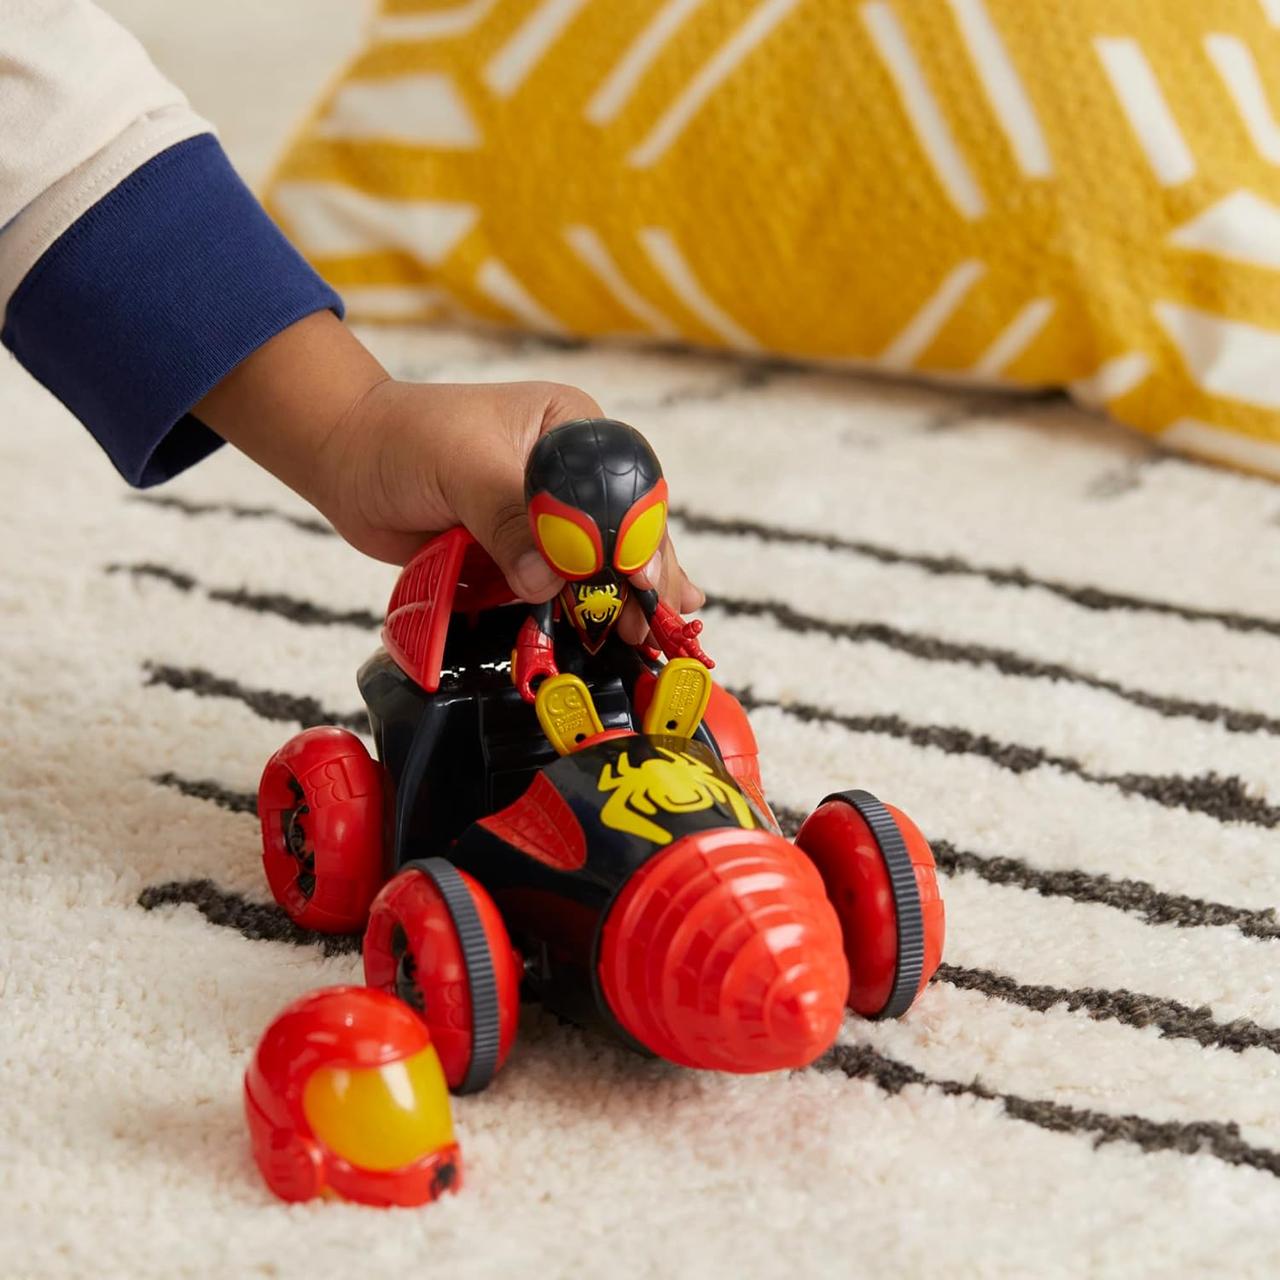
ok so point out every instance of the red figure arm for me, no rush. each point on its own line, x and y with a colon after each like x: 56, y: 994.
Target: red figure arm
x: 534, y: 656
x: 676, y: 637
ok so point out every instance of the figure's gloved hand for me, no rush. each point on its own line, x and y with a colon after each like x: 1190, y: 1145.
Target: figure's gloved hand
x: 664, y: 575
x: 533, y: 657
x: 676, y: 637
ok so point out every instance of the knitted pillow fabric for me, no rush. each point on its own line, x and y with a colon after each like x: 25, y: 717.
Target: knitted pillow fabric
x: 1024, y: 192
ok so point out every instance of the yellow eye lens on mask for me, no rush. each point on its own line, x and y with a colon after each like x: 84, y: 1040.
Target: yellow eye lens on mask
x: 641, y: 540
x: 566, y: 546
x: 381, y: 1117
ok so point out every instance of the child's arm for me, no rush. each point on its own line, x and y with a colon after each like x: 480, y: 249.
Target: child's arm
x: 136, y: 269
x: 144, y: 286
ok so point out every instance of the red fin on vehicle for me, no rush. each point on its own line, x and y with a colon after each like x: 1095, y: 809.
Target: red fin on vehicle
x: 733, y: 734
x: 452, y: 572
x: 542, y: 824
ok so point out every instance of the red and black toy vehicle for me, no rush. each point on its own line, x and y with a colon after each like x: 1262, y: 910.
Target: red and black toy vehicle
x: 607, y: 850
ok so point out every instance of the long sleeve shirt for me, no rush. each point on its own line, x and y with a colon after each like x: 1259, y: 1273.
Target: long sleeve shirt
x: 136, y: 269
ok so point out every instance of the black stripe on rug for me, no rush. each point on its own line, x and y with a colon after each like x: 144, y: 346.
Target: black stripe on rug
x: 275, y: 603
x: 270, y: 704
x: 239, y: 511
x: 257, y: 921
x: 1173, y: 1019
x: 1097, y: 599
x: 1006, y: 661
x: 213, y: 792
x: 1208, y: 1137
x: 1138, y: 898
x: 1224, y: 798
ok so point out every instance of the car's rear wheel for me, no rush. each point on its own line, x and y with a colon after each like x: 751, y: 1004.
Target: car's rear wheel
x: 436, y: 940
x: 320, y: 803
x: 880, y: 875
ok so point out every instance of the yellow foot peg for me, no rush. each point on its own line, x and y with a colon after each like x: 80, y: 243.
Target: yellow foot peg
x: 679, y: 699
x: 566, y: 712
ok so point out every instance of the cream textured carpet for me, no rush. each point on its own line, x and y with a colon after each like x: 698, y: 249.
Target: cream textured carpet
x: 1055, y: 647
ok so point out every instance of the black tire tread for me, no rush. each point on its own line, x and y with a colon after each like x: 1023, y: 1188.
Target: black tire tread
x: 906, y: 898
x: 482, y: 981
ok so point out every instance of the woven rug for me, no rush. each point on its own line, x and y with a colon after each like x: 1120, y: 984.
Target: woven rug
x: 1054, y: 646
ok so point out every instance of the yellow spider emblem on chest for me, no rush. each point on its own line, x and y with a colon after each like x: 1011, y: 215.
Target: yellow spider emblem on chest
x: 674, y: 782
x: 597, y: 604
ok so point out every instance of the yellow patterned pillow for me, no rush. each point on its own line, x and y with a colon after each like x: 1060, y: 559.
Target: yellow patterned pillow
x: 1072, y: 192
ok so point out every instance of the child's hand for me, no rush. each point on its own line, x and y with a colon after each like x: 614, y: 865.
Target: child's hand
x: 392, y: 463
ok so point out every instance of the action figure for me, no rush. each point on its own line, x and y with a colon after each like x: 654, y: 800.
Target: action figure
x: 598, y: 509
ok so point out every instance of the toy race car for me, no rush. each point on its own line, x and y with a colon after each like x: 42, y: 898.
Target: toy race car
x: 607, y: 850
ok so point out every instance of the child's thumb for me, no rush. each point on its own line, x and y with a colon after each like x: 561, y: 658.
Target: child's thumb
x: 507, y: 537
x: 490, y: 503
x: 496, y: 513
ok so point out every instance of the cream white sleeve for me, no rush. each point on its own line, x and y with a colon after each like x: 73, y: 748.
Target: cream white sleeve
x: 81, y: 107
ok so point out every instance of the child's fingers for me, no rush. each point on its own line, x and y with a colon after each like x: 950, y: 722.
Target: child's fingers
x: 488, y: 496
x: 692, y: 596
x: 497, y: 519
x: 665, y: 574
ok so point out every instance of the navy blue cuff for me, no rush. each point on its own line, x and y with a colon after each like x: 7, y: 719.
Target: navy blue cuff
x: 151, y: 298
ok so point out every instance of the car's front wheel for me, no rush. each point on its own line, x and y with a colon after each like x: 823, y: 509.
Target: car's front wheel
x: 880, y: 875
x: 320, y: 803
x: 436, y: 940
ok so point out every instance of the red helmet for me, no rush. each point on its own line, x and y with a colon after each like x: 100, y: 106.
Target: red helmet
x: 345, y: 1094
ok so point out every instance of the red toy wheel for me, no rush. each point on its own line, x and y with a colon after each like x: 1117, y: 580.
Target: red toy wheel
x: 320, y: 802
x: 436, y: 940
x: 879, y: 874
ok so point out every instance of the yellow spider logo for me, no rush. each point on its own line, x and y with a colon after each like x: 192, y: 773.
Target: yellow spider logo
x: 675, y: 782
x: 597, y: 604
